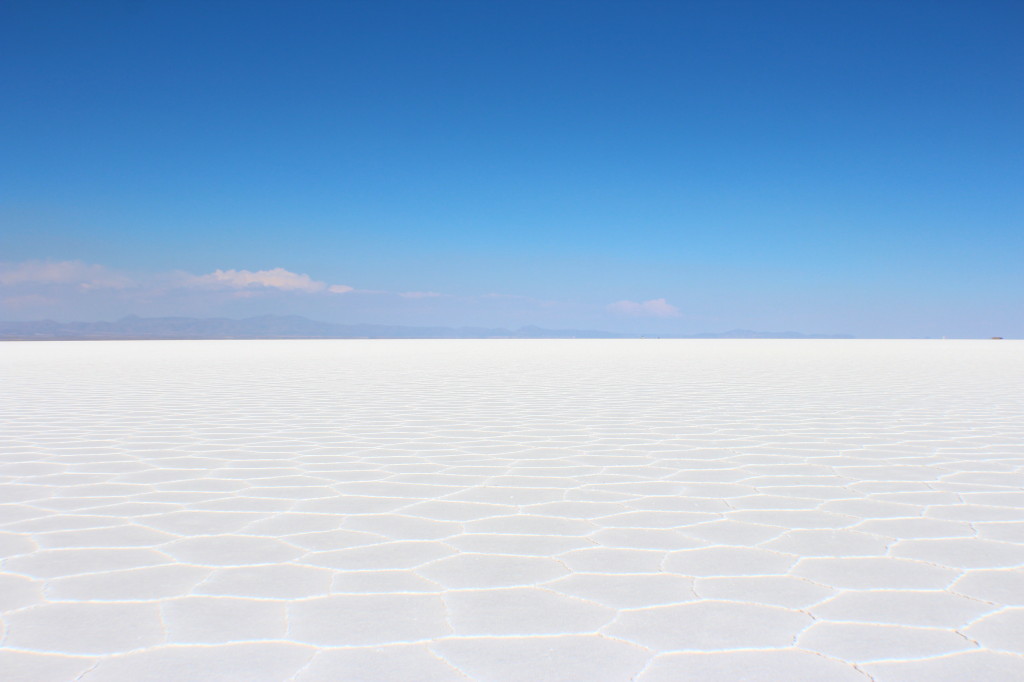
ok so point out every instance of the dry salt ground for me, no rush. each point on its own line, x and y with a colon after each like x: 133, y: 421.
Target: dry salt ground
x: 512, y: 510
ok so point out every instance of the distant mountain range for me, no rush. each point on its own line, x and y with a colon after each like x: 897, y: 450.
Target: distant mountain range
x: 295, y: 327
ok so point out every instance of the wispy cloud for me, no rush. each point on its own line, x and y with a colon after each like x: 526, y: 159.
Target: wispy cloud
x: 27, y: 301
x: 420, y: 294
x: 494, y: 295
x: 39, y: 282
x: 656, y: 307
x: 69, y: 272
x: 41, y: 287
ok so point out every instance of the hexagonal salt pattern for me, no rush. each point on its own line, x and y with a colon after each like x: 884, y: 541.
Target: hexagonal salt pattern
x: 512, y: 510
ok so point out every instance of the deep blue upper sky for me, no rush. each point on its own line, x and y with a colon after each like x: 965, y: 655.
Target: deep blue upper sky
x: 841, y: 166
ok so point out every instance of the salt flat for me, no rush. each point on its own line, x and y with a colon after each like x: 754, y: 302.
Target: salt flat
x: 512, y: 510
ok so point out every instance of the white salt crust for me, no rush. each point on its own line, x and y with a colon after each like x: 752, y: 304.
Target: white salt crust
x: 512, y: 510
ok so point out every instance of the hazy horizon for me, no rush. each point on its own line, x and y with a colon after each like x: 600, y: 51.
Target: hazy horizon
x: 297, y: 327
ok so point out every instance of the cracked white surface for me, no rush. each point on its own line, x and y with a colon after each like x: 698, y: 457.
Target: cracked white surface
x: 512, y: 510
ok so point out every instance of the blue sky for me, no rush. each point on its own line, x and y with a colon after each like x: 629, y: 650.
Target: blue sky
x: 663, y: 167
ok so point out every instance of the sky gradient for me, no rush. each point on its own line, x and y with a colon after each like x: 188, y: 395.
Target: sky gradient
x: 663, y: 167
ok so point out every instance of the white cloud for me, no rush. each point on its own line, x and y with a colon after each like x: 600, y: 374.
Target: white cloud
x: 254, y: 280
x: 656, y: 307
x: 277, y: 278
x: 69, y: 272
